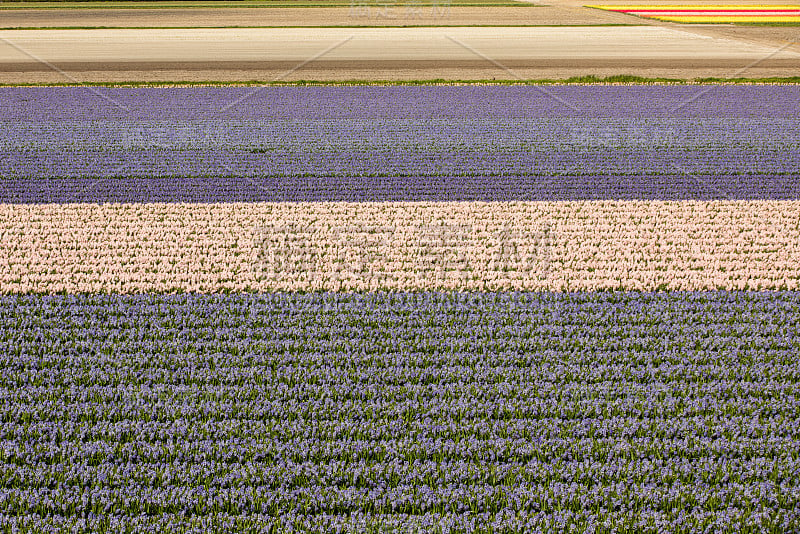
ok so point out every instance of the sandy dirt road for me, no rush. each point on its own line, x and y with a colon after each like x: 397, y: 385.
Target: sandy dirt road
x: 451, y: 52
x: 360, y: 13
x: 398, y: 13
x: 381, y: 53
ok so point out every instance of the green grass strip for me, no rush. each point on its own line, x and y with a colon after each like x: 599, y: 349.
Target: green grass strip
x: 264, y: 4
x: 575, y: 80
x: 24, y: 28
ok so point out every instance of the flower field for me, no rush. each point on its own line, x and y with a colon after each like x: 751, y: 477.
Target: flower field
x: 713, y: 14
x: 550, y: 246
x: 669, y: 412
x: 373, y: 144
x: 400, y: 309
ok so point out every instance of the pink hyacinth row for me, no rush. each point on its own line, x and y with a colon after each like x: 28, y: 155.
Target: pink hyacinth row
x: 553, y: 246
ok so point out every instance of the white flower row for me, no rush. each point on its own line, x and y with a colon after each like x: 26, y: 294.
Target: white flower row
x: 557, y: 246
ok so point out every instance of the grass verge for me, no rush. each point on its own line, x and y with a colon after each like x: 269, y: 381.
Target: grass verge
x: 575, y: 80
x: 316, y: 26
x: 159, y: 4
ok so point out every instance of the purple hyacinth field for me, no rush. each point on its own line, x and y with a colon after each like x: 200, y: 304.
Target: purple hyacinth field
x: 364, y: 144
x: 421, y: 412
x: 411, y: 309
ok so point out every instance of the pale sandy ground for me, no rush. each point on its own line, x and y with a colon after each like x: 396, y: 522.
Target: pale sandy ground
x: 395, y: 14
x: 361, y: 12
x: 514, y: 45
x: 452, y: 53
x: 381, y: 53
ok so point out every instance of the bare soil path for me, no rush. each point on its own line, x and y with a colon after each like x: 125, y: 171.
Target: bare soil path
x: 291, y: 44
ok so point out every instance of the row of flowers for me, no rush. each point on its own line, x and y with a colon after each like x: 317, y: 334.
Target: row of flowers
x: 604, y: 520
x: 398, y: 144
x: 46, y: 104
x: 558, y: 246
x: 526, y: 411
x: 560, y: 183
x: 456, y: 153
